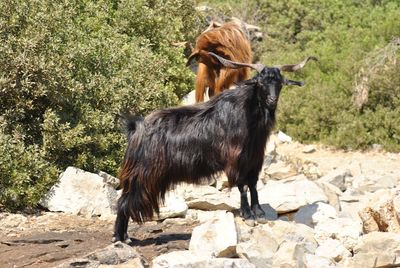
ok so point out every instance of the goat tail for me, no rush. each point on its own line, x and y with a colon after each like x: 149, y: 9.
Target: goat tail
x: 130, y: 123
x: 138, y: 204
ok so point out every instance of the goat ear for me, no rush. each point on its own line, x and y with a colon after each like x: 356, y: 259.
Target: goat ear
x: 293, y: 83
x: 193, y: 58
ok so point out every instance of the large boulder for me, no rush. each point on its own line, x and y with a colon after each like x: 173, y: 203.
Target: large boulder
x: 216, y: 237
x: 312, y: 214
x: 81, y: 192
x: 380, y: 213
x: 291, y: 194
x: 346, y: 230
x: 206, y: 197
x: 377, y: 249
x: 187, y: 258
x: 260, y: 248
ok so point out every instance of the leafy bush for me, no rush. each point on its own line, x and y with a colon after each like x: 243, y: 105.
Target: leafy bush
x: 67, y: 68
x: 342, y: 34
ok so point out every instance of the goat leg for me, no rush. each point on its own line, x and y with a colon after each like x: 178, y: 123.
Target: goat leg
x: 121, y: 223
x: 255, y: 205
x: 245, y: 210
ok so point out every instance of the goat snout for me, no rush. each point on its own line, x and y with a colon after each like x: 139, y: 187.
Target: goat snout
x: 272, y: 100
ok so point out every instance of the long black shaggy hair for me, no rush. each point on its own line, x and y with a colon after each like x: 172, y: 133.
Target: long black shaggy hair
x: 192, y: 143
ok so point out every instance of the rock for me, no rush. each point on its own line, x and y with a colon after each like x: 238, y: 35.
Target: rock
x: 337, y: 178
x: 309, y: 149
x: 190, y: 98
x: 368, y: 216
x: 291, y: 194
x: 290, y: 254
x: 380, y: 214
x: 281, y: 231
x: 313, y: 261
x: 134, y: 263
x: 208, y: 198
x: 346, y: 230
x: 202, y: 216
x: 184, y: 259
x: 377, y: 249
x: 81, y: 192
x: 174, y: 206
x: 283, y: 137
x: 312, y: 214
x: 374, y: 182
x: 12, y: 221
x: 332, y: 193
x: 110, y: 180
x: 260, y: 247
x: 217, y: 237
x: 222, y: 182
x: 280, y: 171
x: 114, y: 254
x: 333, y: 250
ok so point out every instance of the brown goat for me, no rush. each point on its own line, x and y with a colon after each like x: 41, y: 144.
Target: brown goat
x: 228, y: 40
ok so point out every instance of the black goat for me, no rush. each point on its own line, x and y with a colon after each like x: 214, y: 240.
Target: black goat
x: 192, y: 143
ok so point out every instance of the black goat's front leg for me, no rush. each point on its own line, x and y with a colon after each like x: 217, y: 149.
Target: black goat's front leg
x: 245, y: 210
x: 255, y: 205
x: 121, y: 222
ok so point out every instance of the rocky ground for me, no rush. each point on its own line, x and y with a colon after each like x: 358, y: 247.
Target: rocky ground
x: 325, y: 208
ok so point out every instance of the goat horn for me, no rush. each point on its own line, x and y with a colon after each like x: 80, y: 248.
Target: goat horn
x: 295, y: 67
x: 237, y: 65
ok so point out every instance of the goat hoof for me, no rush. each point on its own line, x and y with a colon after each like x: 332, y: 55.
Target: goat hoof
x: 125, y: 240
x: 250, y: 222
x: 261, y: 220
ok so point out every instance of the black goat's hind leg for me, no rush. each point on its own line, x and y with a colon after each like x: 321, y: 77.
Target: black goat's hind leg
x: 245, y: 210
x: 255, y: 205
x: 121, y: 222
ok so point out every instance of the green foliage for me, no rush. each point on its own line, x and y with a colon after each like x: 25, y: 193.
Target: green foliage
x: 67, y: 68
x: 342, y: 34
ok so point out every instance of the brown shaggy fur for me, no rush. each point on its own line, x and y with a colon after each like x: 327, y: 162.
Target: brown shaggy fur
x: 229, y: 41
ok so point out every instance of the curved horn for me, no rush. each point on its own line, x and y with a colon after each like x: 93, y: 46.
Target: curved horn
x: 237, y: 65
x: 295, y: 67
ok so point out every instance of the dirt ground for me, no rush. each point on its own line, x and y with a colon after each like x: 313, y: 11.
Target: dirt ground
x: 49, y: 239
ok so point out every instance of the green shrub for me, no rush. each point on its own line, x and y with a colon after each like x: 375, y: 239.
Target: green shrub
x: 68, y: 68
x: 342, y: 34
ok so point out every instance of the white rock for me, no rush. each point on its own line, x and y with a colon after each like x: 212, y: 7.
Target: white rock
x: 291, y: 194
x: 185, y: 259
x: 190, y: 98
x: 217, y: 237
x: 346, y: 230
x: 314, y: 213
x: 280, y: 170
x: 12, y: 221
x: 290, y: 254
x: 283, y: 137
x: 313, y: 261
x: 111, y: 180
x: 377, y: 249
x: 174, y: 206
x: 337, y: 178
x: 309, y: 149
x: 380, y: 212
x: 81, y: 192
x: 203, y: 216
x: 208, y: 198
x: 260, y: 247
x: 333, y: 250
x: 332, y: 192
